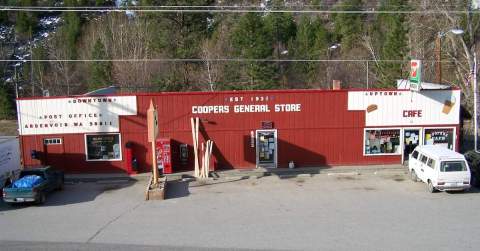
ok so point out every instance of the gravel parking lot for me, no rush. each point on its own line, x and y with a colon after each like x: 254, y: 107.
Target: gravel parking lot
x: 382, y: 211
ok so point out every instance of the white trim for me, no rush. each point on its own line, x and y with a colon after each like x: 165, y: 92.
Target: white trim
x: 96, y: 160
x: 51, y: 143
x: 454, y: 139
x: 383, y: 128
x: 275, y: 157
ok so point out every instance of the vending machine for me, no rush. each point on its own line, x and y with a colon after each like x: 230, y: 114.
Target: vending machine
x: 164, y: 155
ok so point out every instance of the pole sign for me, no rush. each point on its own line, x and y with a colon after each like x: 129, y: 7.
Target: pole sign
x: 152, y: 122
x: 415, y: 75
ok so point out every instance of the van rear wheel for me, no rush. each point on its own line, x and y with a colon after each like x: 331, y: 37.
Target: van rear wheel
x: 413, y: 176
x: 430, y: 187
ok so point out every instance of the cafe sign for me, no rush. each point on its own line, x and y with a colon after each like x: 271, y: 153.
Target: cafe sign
x: 73, y: 115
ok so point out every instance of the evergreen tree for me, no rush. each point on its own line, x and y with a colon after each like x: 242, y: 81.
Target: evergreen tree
x: 311, y: 42
x: 391, y: 39
x: 282, y: 29
x: 253, y: 41
x: 100, y: 71
x: 25, y: 22
x: 179, y: 35
x: 3, y: 14
x: 70, y: 30
x: 349, y: 26
x: 5, y: 103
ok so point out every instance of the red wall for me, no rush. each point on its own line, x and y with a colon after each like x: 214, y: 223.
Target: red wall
x: 323, y: 133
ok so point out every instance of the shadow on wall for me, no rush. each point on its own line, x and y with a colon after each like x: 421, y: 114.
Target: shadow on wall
x: 76, y: 163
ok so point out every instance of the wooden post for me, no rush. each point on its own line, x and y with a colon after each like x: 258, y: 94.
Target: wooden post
x: 194, y: 122
x: 152, y: 127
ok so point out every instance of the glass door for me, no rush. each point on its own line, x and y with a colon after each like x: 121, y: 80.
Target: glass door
x: 266, y: 142
x: 411, y: 139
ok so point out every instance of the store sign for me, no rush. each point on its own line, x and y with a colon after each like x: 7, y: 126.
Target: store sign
x: 396, y: 108
x: 246, y: 108
x: 73, y: 115
x: 415, y: 75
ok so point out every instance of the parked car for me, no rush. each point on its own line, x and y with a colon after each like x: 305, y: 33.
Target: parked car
x: 48, y: 180
x: 442, y: 169
x: 473, y: 159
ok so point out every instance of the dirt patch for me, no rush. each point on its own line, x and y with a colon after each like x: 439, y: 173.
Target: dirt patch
x: 397, y: 177
x: 8, y: 128
x: 346, y: 178
x: 300, y: 180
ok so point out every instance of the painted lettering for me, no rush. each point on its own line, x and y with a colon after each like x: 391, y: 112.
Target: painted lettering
x: 210, y: 109
x: 287, y: 107
x: 412, y: 113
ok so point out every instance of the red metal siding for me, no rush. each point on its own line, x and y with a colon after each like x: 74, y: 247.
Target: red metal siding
x: 323, y: 133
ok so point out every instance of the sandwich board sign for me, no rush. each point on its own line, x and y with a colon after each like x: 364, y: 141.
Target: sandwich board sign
x: 415, y: 75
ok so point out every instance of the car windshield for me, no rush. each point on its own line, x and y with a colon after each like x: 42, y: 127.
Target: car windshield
x: 453, y: 166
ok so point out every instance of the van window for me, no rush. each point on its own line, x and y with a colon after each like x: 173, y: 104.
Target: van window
x: 415, y: 154
x: 431, y: 163
x: 453, y: 166
x: 423, y: 159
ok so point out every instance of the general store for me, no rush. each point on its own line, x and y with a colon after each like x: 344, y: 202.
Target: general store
x: 97, y: 134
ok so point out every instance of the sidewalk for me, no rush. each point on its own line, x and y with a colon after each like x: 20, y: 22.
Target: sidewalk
x: 242, y: 173
x: 303, y: 171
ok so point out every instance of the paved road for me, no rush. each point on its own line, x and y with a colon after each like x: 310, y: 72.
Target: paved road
x: 383, y: 211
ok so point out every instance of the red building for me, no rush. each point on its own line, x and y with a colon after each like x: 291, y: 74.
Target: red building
x: 89, y: 134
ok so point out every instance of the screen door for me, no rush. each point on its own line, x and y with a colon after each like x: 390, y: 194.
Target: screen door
x: 266, y: 148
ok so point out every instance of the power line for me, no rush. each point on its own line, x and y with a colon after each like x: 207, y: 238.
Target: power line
x: 211, y: 10
x: 217, y: 60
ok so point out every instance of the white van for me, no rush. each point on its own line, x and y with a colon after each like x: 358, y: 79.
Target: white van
x: 9, y: 160
x: 442, y: 169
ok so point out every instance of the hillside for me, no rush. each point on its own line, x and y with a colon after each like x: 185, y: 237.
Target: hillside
x: 198, y: 51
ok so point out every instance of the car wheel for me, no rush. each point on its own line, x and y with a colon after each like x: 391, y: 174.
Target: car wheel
x: 474, y: 181
x: 430, y: 187
x: 60, y: 187
x: 413, y: 176
x: 42, y: 199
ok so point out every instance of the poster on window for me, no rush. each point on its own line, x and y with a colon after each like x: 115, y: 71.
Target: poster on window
x: 103, y: 147
x: 439, y: 136
x: 382, y: 141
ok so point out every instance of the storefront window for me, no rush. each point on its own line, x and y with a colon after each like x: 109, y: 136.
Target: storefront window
x: 382, y: 141
x: 439, y: 136
x: 103, y: 147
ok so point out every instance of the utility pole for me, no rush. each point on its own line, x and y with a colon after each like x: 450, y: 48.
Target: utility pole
x: 438, y: 53
x: 31, y: 64
x: 15, y: 79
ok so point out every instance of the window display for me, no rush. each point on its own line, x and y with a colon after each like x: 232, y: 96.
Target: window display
x: 103, y: 147
x: 382, y: 141
x: 439, y: 136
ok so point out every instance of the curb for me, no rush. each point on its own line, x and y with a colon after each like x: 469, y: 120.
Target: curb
x: 242, y: 174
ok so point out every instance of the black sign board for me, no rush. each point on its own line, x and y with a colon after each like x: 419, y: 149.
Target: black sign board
x: 267, y: 124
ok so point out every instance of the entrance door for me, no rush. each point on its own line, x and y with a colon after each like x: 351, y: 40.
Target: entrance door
x: 266, y: 148
x: 411, y: 139
x: 53, y: 152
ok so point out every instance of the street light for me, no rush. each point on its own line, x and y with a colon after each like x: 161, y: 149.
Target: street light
x: 473, y: 73
x: 474, y: 76
x: 438, y: 44
x: 329, y: 55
